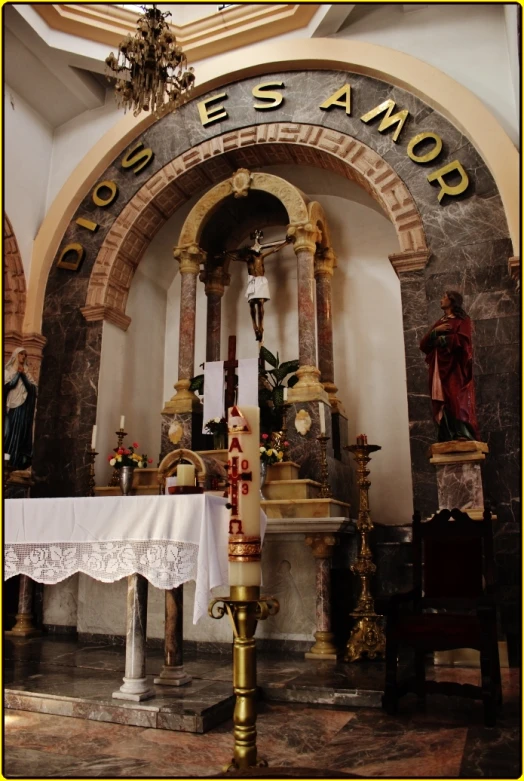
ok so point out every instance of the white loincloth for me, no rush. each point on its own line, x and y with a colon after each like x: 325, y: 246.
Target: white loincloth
x: 257, y: 287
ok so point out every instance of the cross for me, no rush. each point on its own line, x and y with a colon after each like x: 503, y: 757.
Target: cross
x: 234, y: 478
x: 229, y: 366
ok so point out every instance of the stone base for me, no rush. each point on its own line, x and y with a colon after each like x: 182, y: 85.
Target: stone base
x: 459, y: 479
x: 172, y: 676
x: 134, y: 689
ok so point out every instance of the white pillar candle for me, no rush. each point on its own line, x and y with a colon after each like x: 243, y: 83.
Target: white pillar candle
x: 244, y: 488
x: 122, y: 421
x: 285, y: 394
x: 185, y: 474
x: 93, y: 439
x: 322, y: 418
x: 7, y: 457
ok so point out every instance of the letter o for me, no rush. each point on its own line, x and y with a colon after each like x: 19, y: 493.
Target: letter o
x: 431, y: 155
x: 109, y: 185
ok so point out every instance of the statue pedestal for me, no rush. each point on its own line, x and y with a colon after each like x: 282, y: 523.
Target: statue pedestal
x: 459, y: 479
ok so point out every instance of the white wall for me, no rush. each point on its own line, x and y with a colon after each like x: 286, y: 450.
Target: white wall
x: 131, y: 373
x: 28, y: 144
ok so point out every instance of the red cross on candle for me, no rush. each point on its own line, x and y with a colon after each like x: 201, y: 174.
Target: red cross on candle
x: 236, y: 477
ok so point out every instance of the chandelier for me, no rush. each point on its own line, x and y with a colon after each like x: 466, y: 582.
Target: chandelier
x: 151, y: 68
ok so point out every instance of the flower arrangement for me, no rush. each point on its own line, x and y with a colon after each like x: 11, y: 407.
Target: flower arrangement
x: 216, y: 426
x: 124, y: 456
x: 268, y: 451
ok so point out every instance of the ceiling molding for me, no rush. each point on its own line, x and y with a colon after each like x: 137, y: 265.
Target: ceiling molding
x: 232, y: 28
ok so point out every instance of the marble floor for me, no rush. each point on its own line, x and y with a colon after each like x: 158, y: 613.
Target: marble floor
x: 329, y: 739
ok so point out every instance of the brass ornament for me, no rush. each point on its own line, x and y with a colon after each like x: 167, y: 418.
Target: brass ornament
x: 244, y: 608
x: 242, y: 547
x: 367, y: 636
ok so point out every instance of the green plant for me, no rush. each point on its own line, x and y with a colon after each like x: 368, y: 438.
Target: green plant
x: 271, y: 389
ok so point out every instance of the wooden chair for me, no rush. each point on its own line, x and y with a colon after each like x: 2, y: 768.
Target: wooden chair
x: 453, y: 577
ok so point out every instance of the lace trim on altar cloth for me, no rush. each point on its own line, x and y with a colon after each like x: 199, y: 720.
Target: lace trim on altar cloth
x: 164, y: 563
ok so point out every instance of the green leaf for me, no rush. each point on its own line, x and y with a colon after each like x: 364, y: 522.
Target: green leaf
x: 268, y: 357
x: 279, y: 373
x: 292, y: 381
x: 278, y: 396
x: 197, y: 383
x: 290, y: 366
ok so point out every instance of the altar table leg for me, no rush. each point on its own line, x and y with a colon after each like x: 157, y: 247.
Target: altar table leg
x: 135, y: 686
x: 24, y: 618
x: 173, y: 673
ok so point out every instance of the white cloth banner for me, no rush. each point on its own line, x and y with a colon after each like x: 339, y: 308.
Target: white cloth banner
x: 167, y: 539
x: 213, y: 392
x: 248, y: 382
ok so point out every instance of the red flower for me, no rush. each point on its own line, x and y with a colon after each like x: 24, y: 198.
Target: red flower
x: 149, y: 460
x: 110, y: 456
x: 286, y: 444
x: 127, y: 452
x: 265, y: 436
x: 135, y: 445
x: 120, y: 451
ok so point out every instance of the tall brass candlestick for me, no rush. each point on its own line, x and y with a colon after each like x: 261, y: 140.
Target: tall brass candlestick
x: 244, y: 607
x: 115, y: 479
x: 367, y: 636
x: 92, y: 454
x: 284, y: 447
x: 325, y: 490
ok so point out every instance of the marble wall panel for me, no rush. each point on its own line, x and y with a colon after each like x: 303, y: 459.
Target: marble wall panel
x: 60, y: 606
x: 459, y: 485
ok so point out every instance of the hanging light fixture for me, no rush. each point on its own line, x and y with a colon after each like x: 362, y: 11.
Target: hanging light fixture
x: 151, y: 68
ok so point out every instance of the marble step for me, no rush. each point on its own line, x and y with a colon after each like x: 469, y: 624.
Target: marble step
x: 285, y: 470
x: 304, y: 508
x: 291, y: 489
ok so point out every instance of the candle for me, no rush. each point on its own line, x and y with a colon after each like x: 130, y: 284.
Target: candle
x: 322, y: 418
x: 7, y: 457
x: 285, y: 395
x: 362, y: 440
x: 93, y: 439
x: 122, y: 421
x: 244, y: 493
x: 185, y: 474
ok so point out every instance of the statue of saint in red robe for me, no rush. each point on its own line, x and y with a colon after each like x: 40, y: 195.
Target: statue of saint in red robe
x: 449, y: 355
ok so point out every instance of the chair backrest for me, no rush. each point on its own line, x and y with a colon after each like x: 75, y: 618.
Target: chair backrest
x: 453, y: 555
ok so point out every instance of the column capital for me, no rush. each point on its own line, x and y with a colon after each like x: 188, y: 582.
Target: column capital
x: 325, y: 262
x: 184, y: 399
x: 322, y: 545
x: 215, y: 279
x: 189, y: 257
x: 305, y: 236
x: 410, y: 260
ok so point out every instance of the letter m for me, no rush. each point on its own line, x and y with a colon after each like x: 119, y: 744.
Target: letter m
x: 390, y: 119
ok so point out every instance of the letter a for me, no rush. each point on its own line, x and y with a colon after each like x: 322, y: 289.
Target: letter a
x: 336, y: 99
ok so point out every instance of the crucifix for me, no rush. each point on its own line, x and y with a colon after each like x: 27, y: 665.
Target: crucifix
x: 229, y: 368
x: 257, y: 285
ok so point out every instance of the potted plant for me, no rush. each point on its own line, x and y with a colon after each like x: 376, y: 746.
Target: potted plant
x: 126, y: 460
x: 271, y: 389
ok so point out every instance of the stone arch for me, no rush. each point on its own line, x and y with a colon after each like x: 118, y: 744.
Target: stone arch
x: 169, y: 463
x: 158, y: 198
x: 239, y: 185
x: 14, y: 291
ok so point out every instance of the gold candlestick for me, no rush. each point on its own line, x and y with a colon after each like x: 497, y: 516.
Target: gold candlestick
x: 91, y: 454
x: 367, y: 636
x: 325, y: 490
x: 285, y: 448
x: 244, y: 607
x: 115, y: 479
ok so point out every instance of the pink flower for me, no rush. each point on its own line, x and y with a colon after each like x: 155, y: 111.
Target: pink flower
x: 264, y: 436
x: 135, y: 445
x: 149, y: 460
x: 110, y: 456
x: 286, y: 444
x: 126, y: 452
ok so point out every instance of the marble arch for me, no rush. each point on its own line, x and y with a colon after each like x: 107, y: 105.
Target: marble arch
x: 144, y: 214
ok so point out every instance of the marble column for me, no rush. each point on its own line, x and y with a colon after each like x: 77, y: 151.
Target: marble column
x: 189, y: 258
x: 24, y: 626
x: 308, y: 387
x: 214, y: 278
x: 173, y: 673
x: 135, y: 686
x: 322, y: 548
x: 410, y: 267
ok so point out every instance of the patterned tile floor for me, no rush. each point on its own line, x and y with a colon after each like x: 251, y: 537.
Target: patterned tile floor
x: 299, y: 740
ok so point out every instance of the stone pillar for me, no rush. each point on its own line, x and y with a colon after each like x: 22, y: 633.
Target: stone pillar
x: 135, y: 686
x: 179, y: 411
x: 308, y: 387
x: 24, y: 626
x: 410, y: 267
x: 173, y: 673
x: 459, y: 480
x: 214, y: 279
x: 322, y: 547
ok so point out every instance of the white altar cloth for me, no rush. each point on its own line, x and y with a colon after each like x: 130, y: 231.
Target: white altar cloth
x: 167, y: 539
